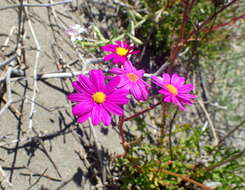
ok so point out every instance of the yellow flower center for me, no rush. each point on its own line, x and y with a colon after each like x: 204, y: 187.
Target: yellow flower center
x: 99, y: 97
x: 133, y: 77
x: 172, y: 89
x: 121, y: 51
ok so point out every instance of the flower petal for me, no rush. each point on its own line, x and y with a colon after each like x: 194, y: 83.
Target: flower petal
x: 166, y: 78
x: 97, y: 78
x: 122, y: 59
x: 119, y: 43
x: 157, y: 81
x: 86, y: 85
x: 109, y: 56
x: 77, y: 86
x: 125, y: 45
x: 106, y: 118
x: 168, y: 99
x: 144, y: 91
x: 116, y: 59
x: 177, y: 80
x: 186, y: 96
x: 118, y: 94
x: 75, y: 97
x: 119, y: 100
x: 186, y: 88
x: 134, y: 52
x: 128, y: 66
x: 96, y: 114
x: 114, y: 108
x: 180, y: 105
x: 83, y: 117
x: 125, y: 82
x: 165, y: 92
x: 112, y: 84
x: 117, y: 71
x: 109, y: 47
x: 82, y: 108
x: 136, y: 92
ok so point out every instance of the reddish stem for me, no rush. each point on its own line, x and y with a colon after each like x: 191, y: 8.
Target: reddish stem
x: 124, y: 143
x: 230, y: 22
x: 121, y: 131
x: 185, y: 178
x: 180, y: 43
x: 142, y: 112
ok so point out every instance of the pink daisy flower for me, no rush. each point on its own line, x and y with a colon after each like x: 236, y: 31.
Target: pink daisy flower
x: 174, y: 89
x: 120, y: 52
x: 96, y: 99
x: 131, y: 79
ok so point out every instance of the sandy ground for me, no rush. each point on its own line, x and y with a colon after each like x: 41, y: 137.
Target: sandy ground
x: 58, y: 141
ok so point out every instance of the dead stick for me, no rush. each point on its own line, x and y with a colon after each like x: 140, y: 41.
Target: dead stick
x: 34, y: 70
x: 184, y: 177
x: 37, y: 5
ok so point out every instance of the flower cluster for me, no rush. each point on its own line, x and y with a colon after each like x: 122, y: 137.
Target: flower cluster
x: 98, y: 98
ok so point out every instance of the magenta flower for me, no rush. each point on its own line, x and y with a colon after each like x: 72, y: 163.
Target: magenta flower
x: 131, y: 79
x: 174, y: 89
x: 120, y: 52
x: 96, y: 99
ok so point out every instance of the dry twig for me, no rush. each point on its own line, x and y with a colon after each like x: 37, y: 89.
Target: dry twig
x: 4, y: 180
x: 34, y: 69
x: 8, y: 91
x: 37, y: 5
x: 209, y: 121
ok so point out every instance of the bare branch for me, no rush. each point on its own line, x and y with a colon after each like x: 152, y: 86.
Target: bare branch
x: 8, y: 61
x: 34, y: 70
x: 209, y: 121
x: 37, y: 5
x: 8, y: 91
x: 3, y: 179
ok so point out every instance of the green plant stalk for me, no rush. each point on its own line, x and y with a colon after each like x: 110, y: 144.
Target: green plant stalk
x: 170, y: 134
x: 163, y: 122
x: 208, y: 169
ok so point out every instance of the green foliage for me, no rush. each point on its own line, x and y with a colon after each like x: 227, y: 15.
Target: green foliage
x: 147, y: 165
x: 161, y: 21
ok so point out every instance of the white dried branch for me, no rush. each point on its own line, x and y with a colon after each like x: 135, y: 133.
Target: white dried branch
x: 216, y: 140
x: 59, y: 75
x: 55, y: 15
x: 70, y: 75
x: 162, y: 68
x: 8, y: 38
x: 4, y: 180
x: 37, y: 5
x: 34, y: 69
x: 8, y: 61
